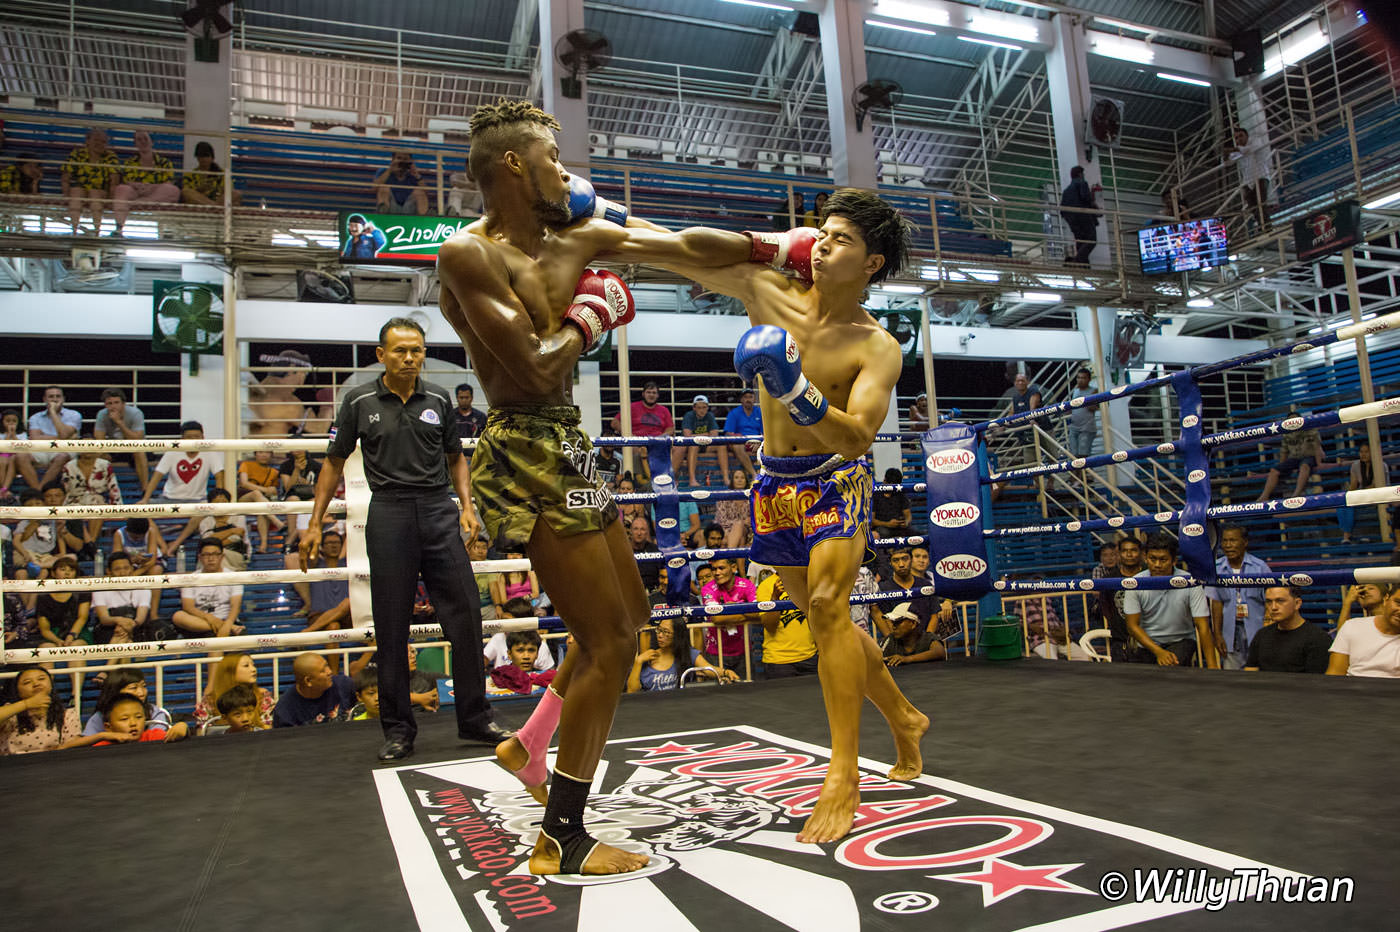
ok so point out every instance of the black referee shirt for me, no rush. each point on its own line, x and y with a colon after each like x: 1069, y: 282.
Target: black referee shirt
x: 405, y: 446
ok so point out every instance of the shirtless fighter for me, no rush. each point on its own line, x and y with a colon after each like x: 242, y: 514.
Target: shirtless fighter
x: 828, y: 370
x: 515, y: 288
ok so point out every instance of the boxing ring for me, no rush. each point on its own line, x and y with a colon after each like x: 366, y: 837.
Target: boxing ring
x: 1055, y: 795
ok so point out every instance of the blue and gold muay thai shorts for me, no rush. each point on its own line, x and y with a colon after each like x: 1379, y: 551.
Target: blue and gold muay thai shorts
x: 799, y: 501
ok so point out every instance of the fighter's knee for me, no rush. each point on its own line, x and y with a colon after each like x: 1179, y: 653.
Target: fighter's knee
x: 825, y: 606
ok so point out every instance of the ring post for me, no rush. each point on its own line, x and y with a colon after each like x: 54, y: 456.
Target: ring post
x: 1191, y: 529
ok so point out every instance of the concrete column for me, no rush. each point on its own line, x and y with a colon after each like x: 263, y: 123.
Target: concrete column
x: 1067, y: 73
x: 1115, y: 431
x: 208, y: 89
x: 558, y: 17
x: 843, y: 57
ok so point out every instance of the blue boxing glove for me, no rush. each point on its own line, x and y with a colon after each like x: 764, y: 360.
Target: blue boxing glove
x: 584, y: 203
x: 769, y: 352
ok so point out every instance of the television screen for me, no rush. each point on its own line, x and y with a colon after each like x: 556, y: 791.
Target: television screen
x: 1183, y: 247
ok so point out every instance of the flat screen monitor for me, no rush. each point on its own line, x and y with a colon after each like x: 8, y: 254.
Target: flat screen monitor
x: 1183, y: 247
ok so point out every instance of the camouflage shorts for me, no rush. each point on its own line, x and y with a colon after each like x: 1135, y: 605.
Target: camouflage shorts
x: 532, y: 462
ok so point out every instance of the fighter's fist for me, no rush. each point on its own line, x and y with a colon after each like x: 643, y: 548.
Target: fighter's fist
x: 769, y: 352
x: 790, y: 251
x: 601, y: 303
x: 585, y: 203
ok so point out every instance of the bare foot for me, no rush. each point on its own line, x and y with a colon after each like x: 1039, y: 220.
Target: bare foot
x: 512, y: 756
x: 604, y: 859
x: 907, y: 736
x: 835, y: 809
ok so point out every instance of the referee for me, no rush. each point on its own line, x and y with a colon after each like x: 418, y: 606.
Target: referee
x: 408, y: 432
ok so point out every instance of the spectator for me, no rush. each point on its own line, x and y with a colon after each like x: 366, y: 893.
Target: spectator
x: 744, y: 421
x: 497, y: 651
x: 813, y: 217
x: 399, y: 189
x: 1107, y: 567
x: 732, y: 515
x: 790, y: 212
x: 275, y: 404
x: 146, y: 178
x: 231, y: 531
x: 211, y: 610
x: 1110, y: 603
x: 140, y: 539
x: 39, y: 543
x: 9, y: 430
x: 518, y: 674
x: 121, y: 421
x: 788, y: 647
x: 123, y: 720
x: 639, y: 536
x: 300, y: 469
x: 1366, y: 647
x: 319, y: 694
x: 1361, y: 476
x: 204, y: 184
x: 906, y: 644
x: 330, y: 598
x: 1368, y: 595
x: 34, y: 719
x: 238, y: 712
x: 120, y: 612
x: 1289, y: 643
x: 901, y: 577
x: 699, y: 421
x: 1236, y: 613
x: 232, y: 669
x: 649, y: 419
x: 257, y: 482
x: 88, y: 178
x: 55, y: 422
x: 630, y: 510
x: 21, y: 627
x: 607, y: 465
x: 89, y: 480
x: 128, y: 681
x: 692, y: 531
x: 186, y: 475
x: 1252, y: 161
x: 478, y: 551
x: 363, y: 239
x: 918, y: 413
x: 25, y: 177
x: 661, y: 658
x: 1042, y: 625
x: 470, y: 421
x: 1170, y: 624
x: 422, y: 685
x: 366, y: 695
x: 701, y: 573
x: 1022, y: 396
x: 63, y: 616
x: 1081, y: 215
x: 1083, y: 426
x: 724, y: 638
x: 464, y: 197
x: 515, y: 584
x: 890, y: 513
x: 1300, y: 451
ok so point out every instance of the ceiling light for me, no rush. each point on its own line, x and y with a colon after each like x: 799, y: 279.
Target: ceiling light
x: 1182, y: 79
x: 1122, y: 49
x: 912, y: 11
x: 984, y: 275
x: 1033, y: 297
x: 146, y: 252
x: 914, y: 29
x: 1200, y: 302
x: 1295, y: 48
x: 765, y: 6
x: 1120, y: 24
x: 1008, y: 27
x: 993, y: 43
x: 902, y: 289
x: 1382, y: 202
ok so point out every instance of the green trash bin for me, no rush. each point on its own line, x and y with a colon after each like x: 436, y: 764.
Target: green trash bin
x: 999, y: 637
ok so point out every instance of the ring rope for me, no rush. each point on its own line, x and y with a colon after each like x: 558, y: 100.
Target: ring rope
x: 19, y: 512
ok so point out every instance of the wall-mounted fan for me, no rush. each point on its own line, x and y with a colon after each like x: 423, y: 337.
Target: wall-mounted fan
x: 582, y: 51
x: 188, y: 317
x: 878, y: 94
x: 205, y: 20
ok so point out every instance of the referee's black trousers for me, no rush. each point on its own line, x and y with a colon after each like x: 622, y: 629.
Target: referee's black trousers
x: 408, y: 533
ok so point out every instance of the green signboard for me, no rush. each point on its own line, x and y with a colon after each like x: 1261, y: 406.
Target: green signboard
x: 394, y: 239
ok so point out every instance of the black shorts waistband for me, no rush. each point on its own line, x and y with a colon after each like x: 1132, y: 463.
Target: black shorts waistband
x: 400, y: 493
x: 568, y: 415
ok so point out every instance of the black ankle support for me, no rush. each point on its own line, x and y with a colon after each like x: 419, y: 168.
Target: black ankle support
x: 563, y: 822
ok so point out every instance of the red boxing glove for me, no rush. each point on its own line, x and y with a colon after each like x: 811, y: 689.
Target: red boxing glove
x: 790, y: 251
x: 601, y: 303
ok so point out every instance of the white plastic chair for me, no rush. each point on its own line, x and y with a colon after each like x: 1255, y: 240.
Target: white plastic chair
x: 1086, y: 643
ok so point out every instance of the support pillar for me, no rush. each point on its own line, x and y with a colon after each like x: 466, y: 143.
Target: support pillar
x: 558, y: 17
x: 208, y: 89
x: 1067, y: 74
x: 843, y: 57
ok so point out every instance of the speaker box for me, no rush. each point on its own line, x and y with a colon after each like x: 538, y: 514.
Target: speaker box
x: 1248, y: 51
x: 807, y: 24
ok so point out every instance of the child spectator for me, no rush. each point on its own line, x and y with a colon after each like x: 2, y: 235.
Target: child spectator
x: 125, y: 720
x: 35, y: 720
x: 478, y: 551
x: 38, y: 543
x: 519, y: 675
x: 238, y: 712
x: 9, y: 430
x: 140, y: 539
x: 233, y: 669
x: 366, y: 694
x: 120, y: 611
x: 131, y: 683
x: 21, y: 627
x: 257, y: 482
x: 497, y: 650
x: 63, y: 616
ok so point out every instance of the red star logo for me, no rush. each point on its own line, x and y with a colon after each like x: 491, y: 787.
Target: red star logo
x: 670, y: 747
x: 1000, y: 879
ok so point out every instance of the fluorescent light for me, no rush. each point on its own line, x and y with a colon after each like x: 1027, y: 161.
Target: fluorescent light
x: 993, y: 43
x: 1122, y: 49
x: 1182, y: 79
x: 757, y: 3
x: 1200, y: 302
x: 1033, y: 297
x: 146, y: 252
x: 985, y: 275
x: 1008, y: 27
x: 1120, y: 24
x: 914, y: 29
x: 914, y: 12
x: 901, y: 289
x: 1295, y: 48
x: 1382, y: 202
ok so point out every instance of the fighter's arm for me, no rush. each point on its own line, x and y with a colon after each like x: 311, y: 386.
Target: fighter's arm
x: 486, y: 306
x: 717, y: 259
x: 852, y: 431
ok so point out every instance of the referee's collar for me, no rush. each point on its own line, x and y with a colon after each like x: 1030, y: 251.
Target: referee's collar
x: 382, y: 388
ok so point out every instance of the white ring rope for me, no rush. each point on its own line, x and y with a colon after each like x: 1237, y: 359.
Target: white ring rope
x: 181, y: 510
